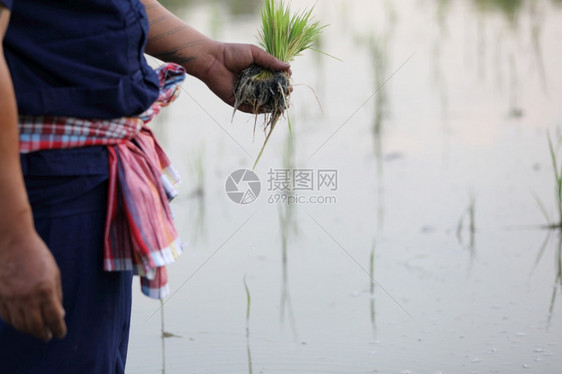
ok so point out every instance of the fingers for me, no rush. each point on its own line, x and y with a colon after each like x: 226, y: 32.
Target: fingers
x: 34, y: 324
x: 53, y: 312
x: 5, y: 314
x: 31, y: 298
x: 41, y: 321
x: 42, y: 324
x: 267, y: 61
x: 18, y: 320
x: 24, y: 320
x: 53, y: 316
x: 58, y: 326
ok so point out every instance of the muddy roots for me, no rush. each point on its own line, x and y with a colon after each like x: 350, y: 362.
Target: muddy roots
x: 264, y: 92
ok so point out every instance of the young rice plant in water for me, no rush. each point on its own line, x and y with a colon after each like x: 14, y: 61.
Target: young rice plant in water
x: 557, y: 171
x: 285, y: 36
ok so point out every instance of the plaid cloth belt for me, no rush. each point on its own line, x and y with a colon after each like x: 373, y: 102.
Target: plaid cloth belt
x: 139, y: 230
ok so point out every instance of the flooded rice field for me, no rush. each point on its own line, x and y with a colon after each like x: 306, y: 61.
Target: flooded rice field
x: 402, y: 229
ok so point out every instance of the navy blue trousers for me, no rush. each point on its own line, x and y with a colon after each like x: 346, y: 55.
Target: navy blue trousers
x: 68, y: 193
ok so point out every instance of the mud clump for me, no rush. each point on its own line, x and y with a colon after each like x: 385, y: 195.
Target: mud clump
x: 262, y: 91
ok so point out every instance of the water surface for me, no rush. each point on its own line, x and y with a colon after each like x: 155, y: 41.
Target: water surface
x: 436, y: 109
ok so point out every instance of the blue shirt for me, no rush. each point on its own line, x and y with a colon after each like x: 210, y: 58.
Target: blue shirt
x: 79, y: 58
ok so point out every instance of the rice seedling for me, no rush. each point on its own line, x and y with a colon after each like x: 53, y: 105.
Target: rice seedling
x: 197, y: 170
x: 551, y: 225
x: 557, y: 171
x: 557, y: 285
x: 288, y: 228
x: 372, y: 271
x: 163, y: 335
x: 248, y: 305
x: 372, y: 289
x: 470, y: 212
x: 198, y: 206
x: 285, y: 36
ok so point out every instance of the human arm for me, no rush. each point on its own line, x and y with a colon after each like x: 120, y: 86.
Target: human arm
x: 30, y: 288
x: 216, y: 64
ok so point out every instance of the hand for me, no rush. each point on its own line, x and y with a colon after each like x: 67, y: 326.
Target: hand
x: 215, y: 63
x: 30, y: 287
x: 228, y: 60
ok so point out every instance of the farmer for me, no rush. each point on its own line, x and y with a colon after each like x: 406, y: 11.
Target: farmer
x: 73, y: 73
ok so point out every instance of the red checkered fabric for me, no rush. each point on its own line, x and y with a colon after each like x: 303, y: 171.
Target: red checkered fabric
x: 139, y: 230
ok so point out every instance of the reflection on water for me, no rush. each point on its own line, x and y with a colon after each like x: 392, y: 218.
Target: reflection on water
x: 510, y: 8
x: 164, y: 335
x: 378, y: 44
x: 558, y: 280
x: 248, y: 309
x: 557, y: 284
x: 288, y: 229
x: 554, y: 226
x: 439, y: 80
x: 480, y: 92
x: 506, y: 45
x: 197, y: 172
x: 379, y: 55
x: 468, y: 217
x: 537, y: 19
x: 372, y: 310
